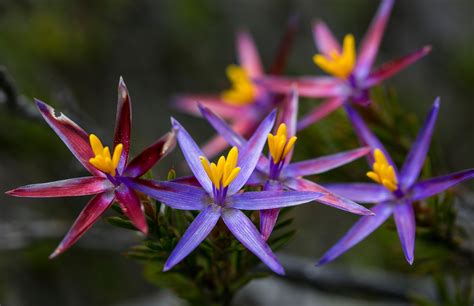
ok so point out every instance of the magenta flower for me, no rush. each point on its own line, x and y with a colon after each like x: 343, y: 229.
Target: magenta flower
x: 108, y: 170
x: 395, y: 191
x: 218, y: 195
x: 352, y: 75
x: 276, y: 172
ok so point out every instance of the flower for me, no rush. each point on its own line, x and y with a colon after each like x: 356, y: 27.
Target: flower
x: 245, y: 104
x: 219, y: 196
x: 395, y: 191
x: 276, y: 172
x: 352, y: 76
x: 108, y: 171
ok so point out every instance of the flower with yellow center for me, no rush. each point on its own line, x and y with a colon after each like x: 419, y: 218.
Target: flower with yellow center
x: 278, y: 144
x: 243, y: 91
x: 383, y: 173
x: 339, y: 64
x: 103, y: 160
x: 225, y: 171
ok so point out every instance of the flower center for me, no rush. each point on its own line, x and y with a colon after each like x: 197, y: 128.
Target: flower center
x: 225, y: 171
x: 383, y: 173
x: 339, y: 64
x: 243, y: 91
x: 103, y: 160
x: 278, y: 144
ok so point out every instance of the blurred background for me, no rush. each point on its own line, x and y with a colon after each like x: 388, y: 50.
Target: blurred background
x: 71, y: 54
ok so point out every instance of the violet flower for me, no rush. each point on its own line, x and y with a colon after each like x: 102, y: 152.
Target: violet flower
x: 218, y: 195
x: 352, y: 76
x: 108, y: 171
x: 396, y: 190
x: 276, y: 172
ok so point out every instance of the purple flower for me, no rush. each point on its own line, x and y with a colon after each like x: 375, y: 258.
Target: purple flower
x: 395, y: 191
x: 108, y: 170
x: 275, y: 172
x: 352, y: 75
x: 219, y: 196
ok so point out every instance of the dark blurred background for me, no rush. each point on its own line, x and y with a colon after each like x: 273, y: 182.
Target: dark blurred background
x: 71, y: 54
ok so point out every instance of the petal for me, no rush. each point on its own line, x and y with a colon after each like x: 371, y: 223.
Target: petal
x: 364, y: 227
x: 258, y: 200
x: 233, y: 138
x: 370, y: 43
x: 248, y: 54
x: 288, y: 116
x: 246, y: 232
x: 151, y: 155
x: 187, y: 180
x: 71, y: 134
x: 131, y: 207
x: 123, y: 123
x: 189, y: 104
x: 390, y: 68
x: 324, y: 39
x: 283, y: 50
x: 404, y: 216
x: 194, y: 235
x: 268, y: 217
x: 320, y: 111
x: 323, y: 164
x: 313, y: 87
x: 416, y: 158
x: 93, y: 210
x: 431, y: 187
x: 65, y: 188
x: 327, y: 197
x: 175, y: 195
x: 361, y: 192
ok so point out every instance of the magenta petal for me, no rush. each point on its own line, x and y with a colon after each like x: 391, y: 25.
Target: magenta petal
x: 404, y: 216
x: 268, y: 217
x: 151, y: 155
x: 123, y: 123
x: 364, y: 227
x: 361, y: 192
x: 189, y: 104
x: 244, y: 230
x: 187, y: 180
x: 286, y: 42
x: 93, y: 210
x: 258, y: 200
x: 194, y: 235
x: 313, y: 87
x: 320, y: 111
x: 416, y: 158
x: 248, y: 54
x: 71, y: 134
x: 131, y: 207
x: 323, y: 164
x: 65, y: 188
x: 324, y: 39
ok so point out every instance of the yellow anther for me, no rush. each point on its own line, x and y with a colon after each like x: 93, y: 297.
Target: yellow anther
x: 225, y: 171
x: 278, y: 145
x: 339, y: 64
x: 103, y: 160
x: 383, y: 173
x: 242, y: 91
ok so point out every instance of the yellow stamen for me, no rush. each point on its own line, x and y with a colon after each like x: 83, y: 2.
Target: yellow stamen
x: 278, y: 145
x: 383, y: 173
x: 242, y: 91
x: 339, y: 64
x: 103, y: 160
x: 225, y: 171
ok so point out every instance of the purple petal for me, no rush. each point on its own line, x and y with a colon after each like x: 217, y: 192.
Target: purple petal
x: 151, y: 155
x: 268, y: 217
x: 187, y: 180
x: 320, y: 111
x: 194, y: 235
x: 189, y: 104
x: 323, y: 164
x: 65, y: 188
x: 258, y: 200
x: 248, y: 54
x: 93, y: 210
x: 244, y: 230
x: 283, y: 50
x: 288, y: 116
x: 233, y: 138
x: 371, y: 42
x: 71, y: 134
x: 389, y: 69
x: 131, y: 207
x: 123, y: 123
x: 404, y: 216
x: 361, y: 192
x: 431, y: 187
x: 416, y: 158
x: 313, y: 87
x: 364, y: 227
x: 324, y: 39
x: 177, y: 196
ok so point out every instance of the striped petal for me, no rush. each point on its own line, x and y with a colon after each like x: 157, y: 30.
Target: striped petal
x: 268, y: 217
x: 248, y: 54
x: 123, y: 123
x: 324, y: 39
x: 361, y: 192
x: 320, y: 111
x: 404, y: 216
x: 258, y: 200
x: 131, y: 207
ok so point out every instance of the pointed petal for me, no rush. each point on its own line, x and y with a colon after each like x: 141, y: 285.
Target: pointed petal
x: 131, y: 207
x: 233, y: 138
x: 364, y: 227
x: 187, y: 180
x: 194, y: 235
x: 324, y: 39
x: 248, y: 55
x: 431, y: 187
x: 313, y: 87
x: 123, y: 123
x: 71, y: 134
x: 65, y: 188
x: 286, y: 42
x: 404, y: 216
x: 189, y: 104
x: 288, y: 116
x: 323, y: 164
x: 244, y: 230
x: 151, y: 155
x: 361, y: 192
x: 93, y: 210
x: 416, y: 158
x: 388, y: 69
x: 371, y: 42
x: 268, y: 217
x: 320, y: 111
x: 258, y: 200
